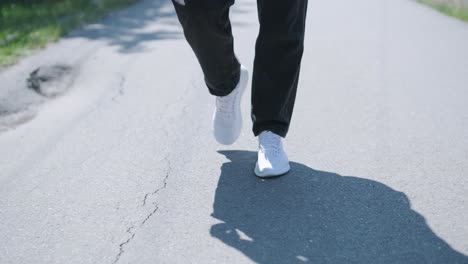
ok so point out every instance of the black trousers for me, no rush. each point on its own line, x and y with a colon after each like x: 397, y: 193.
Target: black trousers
x: 278, y: 55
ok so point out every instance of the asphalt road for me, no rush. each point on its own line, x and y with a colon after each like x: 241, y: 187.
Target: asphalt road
x: 123, y: 168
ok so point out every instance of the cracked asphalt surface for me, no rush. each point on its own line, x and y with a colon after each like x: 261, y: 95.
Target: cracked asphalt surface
x: 123, y: 168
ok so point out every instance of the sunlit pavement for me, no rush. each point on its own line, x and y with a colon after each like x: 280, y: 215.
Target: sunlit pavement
x: 123, y: 168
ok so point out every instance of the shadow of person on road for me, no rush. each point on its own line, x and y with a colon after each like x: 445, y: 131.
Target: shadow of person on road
x: 320, y: 217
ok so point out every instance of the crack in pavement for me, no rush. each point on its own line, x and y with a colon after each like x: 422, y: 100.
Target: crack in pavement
x: 121, y: 88
x: 133, y: 229
x: 169, y: 170
x: 121, y: 245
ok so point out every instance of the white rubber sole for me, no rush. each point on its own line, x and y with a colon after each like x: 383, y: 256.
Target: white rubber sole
x: 271, y: 174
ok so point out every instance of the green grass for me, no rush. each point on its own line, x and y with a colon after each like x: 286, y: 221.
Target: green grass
x: 448, y: 8
x: 27, y: 25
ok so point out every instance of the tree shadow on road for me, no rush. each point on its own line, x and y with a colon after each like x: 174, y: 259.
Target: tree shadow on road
x: 128, y: 29
x: 320, y: 217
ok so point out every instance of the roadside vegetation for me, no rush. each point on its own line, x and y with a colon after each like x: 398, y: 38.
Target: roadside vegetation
x: 455, y: 8
x: 26, y: 25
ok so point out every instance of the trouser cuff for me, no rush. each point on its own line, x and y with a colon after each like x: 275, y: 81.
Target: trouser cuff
x: 277, y: 129
x: 224, y: 88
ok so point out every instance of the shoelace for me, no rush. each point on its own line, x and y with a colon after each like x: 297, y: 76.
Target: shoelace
x: 270, y: 142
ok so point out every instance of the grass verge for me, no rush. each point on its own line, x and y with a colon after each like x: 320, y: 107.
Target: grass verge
x: 448, y: 8
x: 27, y: 25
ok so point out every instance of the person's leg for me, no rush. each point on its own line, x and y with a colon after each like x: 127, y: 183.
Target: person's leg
x: 278, y: 55
x: 207, y: 29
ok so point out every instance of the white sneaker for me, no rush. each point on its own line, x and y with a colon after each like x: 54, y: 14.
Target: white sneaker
x: 227, y: 117
x: 272, y: 160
